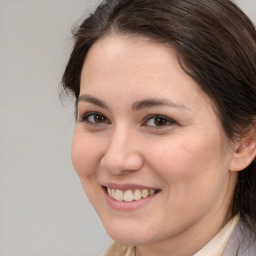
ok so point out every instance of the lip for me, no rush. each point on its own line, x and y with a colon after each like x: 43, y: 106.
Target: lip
x: 124, y: 187
x: 128, y: 206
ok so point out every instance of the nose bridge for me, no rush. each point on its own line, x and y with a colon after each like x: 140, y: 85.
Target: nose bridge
x: 123, y: 152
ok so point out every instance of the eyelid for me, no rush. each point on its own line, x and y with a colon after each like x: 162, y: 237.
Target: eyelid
x: 169, y: 120
x: 84, y: 118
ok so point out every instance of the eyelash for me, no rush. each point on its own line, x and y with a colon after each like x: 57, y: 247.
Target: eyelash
x: 85, y: 118
x: 156, y: 118
x: 167, y: 121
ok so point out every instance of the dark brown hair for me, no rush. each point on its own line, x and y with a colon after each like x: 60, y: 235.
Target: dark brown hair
x: 216, y: 43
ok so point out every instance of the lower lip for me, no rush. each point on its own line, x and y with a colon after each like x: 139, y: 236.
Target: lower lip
x: 128, y: 206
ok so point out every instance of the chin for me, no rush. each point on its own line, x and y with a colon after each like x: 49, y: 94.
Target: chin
x: 128, y: 234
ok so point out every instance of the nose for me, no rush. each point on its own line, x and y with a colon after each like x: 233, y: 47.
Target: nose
x: 122, y: 154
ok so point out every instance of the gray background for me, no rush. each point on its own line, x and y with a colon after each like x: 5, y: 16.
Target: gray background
x: 43, y: 210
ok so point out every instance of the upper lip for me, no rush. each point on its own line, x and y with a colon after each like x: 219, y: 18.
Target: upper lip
x: 127, y: 186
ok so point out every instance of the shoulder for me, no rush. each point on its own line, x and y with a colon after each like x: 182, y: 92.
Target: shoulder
x: 119, y: 250
x: 242, y: 242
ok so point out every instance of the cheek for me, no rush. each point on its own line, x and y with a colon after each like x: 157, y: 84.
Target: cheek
x: 84, y: 155
x: 194, y: 179
x: 85, y: 158
x: 184, y: 165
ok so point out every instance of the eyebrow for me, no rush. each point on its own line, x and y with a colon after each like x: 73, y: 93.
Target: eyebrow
x: 93, y: 100
x: 152, y: 102
x: 136, y: 106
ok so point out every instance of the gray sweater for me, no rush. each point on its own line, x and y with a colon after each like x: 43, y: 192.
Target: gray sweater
x: 242, y: 242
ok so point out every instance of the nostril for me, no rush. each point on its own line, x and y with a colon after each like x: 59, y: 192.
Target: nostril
x: 122, y: 163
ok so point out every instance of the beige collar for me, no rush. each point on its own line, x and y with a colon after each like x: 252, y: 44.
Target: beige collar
x: 217, y: 245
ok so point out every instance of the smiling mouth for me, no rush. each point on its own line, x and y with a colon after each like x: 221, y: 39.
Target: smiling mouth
x: 130, y: 195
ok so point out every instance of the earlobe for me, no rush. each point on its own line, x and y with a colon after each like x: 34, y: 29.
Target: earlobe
x: 245, y: 151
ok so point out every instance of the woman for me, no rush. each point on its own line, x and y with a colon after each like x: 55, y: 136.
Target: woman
x: 165, y: 140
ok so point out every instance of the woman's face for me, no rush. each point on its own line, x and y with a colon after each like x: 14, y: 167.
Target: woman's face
x: 148, y: 146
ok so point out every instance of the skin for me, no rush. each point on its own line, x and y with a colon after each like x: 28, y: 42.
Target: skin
x: 184, y: 155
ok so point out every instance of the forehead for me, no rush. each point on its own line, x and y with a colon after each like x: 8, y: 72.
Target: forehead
x: 128, y: 60
x: 135, y: 66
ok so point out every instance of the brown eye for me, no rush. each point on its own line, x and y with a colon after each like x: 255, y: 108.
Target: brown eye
x: 158, y: 121
x: 94, y: 118
x: 98, y: 118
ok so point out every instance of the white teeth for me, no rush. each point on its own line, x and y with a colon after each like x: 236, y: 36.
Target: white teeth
x: 145, y: 193
x: 151, y: 192
x: 137, y: 195
x: 119, y: 195
x: 129, y: 195
x: 113, y: 192
x: 109, y: 191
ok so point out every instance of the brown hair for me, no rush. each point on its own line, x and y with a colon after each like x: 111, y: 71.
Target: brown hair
x: 216, y: 43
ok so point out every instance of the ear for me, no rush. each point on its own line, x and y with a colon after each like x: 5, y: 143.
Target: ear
x: 245, y: 151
